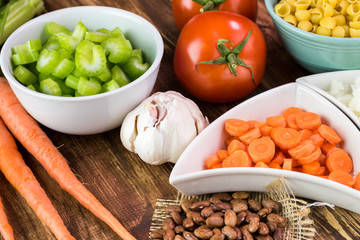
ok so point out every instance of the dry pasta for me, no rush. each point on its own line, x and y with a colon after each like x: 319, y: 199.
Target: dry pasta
x: 335, y: 18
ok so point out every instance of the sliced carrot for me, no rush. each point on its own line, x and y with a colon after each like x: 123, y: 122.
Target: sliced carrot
x: 255, y: 123
x: 329, y: 134
x: 342, y: 177
x: 261, y: 165
x: 278, y: 158
x: 276, y: 121
x: 250, y: 135
x: 314, y: 156
x: 322, y: 171
x: 291, y: 110
x: 235, y: 145
x: 217, y: 165
x: 322, y: 159
x: 339, y: 159
x: 357, y: 181
x: 265, y: 130
x: 305, y: 134
x: 304, y: 149
x: 324, y: 176
x: 291, y: 121
x: 308, y: 120
x: 326, y: 147
x: 261, y: 150
x: 5, y: 228
x: 229, y: 139
x: 317, y: 139
x: 212, y: 160
x: 311, y: 168
x: 287, y: 165
x: 285, y: 138
x: 236, y: 127
x: 274, y: 165
x: 222, y: 154
x: 238, y: 158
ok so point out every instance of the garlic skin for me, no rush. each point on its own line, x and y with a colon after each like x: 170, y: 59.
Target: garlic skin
x: 161, y: 127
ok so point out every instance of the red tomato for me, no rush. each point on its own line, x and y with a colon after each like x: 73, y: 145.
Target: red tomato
x: 198, y: 42
x: 184, y: 10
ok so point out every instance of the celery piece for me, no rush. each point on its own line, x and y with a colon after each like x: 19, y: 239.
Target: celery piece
x: 25, y: 57
x: 52, y: 44
x: 70, y: 42
x: 32, y: 87
x: 105, y: 75
x: 50, y: 87
x: 104, y: 30
x: 119, y: 75
x: 65, y: 90
x: 72, y: 81
x: 76, y: 72
x: 48, y: 60
x: 119, y: 49
x: 53, y: 28
x: 64, y: 68
x: 117, y: 32
x: 97, y: 37
x: 110, y: 86
x: 88, y: 87
x: 31, y: 45
x: 17, y: 13
x: 135, y: 66
x: 24, y: 75
x: 90, y: 58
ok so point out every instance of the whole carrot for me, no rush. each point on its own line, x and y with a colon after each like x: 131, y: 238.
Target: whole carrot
x: 31, y: 136
x: 5, y: 228
x: 12, y: 165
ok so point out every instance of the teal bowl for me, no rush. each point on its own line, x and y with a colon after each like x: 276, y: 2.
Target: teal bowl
x: 315, y: 52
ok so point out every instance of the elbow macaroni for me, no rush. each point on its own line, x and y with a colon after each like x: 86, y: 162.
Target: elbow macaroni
x: 335, y: 18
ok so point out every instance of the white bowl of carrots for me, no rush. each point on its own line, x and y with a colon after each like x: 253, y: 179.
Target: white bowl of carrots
x: 290, y: 131
x: 96, y: 113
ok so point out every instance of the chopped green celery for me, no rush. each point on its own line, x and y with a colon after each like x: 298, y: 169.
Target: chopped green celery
x: 135, y: 66
x: 50, y: 87
x: 32, y: 87
x: 88, y: 87
x: 65, y: 90
x: 105, y: 75
x: 25, y: 57
x: 19, y: 12
x: 53, y: 28
x: 97, y: 37
x: 48, y: 61
x: 90, y: 58
x: 104, y: 30
x: 24, y: 75
x: 64, y: 68
x: 117, y: 32
x: 119, y: 49
x: 52, y: 43
x: 70, y: 42
x: 119, y: 75
x: 31, y: 45
x: 110, y: 86
x: 72, y: 81
x: 32, y: 68
x: 76, y: 72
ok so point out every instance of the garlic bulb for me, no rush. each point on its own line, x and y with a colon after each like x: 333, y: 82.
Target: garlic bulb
x: 161, y: 127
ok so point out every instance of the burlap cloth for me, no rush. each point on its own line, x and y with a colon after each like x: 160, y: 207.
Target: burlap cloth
x: 296, y: 211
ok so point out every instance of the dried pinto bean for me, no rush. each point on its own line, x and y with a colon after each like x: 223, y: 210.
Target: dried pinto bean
x: 240, y: 218
x: 264, y: 212
x: 199, y: 205
x: 179, y: 229
x: 188, y: 223
x: 206, y: 212
x: 230, y: 218
x: 271, y: 225
x: 269, y: 203
x: 179, y: 237
x: 189, y: 236
x: 254, y: 225
x: 241, y: 195
x: 169, y: 234
x: 185, y: 204
x: 280, y: 221
x: 176, y: 217
x: 261, y: 237
x: 156, y: 234
x: 203, y: 232
x: 263, y: 229
x: 240, y: 206
x: 221, y: 206
x: 223, y: 196
x: 250, y: 216
x: 245, y: 232
x: 172, y: 208
x: 229, y: 232
x: 278, y: 234
x: 254, y: 205
x: 168, y: 223
x: 215, y: 221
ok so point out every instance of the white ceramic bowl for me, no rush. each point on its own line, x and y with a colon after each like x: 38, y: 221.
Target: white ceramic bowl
x: 321, y: 83
x: 190, y: 177
x: 90, y: 114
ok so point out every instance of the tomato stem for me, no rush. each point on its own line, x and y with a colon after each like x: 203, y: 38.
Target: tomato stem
x: 231, y: 56
x: 209, y: 5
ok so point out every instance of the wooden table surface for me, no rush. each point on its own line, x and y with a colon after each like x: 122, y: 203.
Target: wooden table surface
x: 126, y: 185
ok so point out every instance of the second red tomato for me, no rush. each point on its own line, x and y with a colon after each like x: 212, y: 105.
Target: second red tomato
x: 184, y: 10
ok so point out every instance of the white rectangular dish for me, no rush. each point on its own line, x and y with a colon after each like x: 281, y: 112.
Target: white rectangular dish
x: 190, y: 177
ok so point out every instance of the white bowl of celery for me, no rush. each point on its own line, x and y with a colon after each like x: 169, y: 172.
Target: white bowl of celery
x: 80, y: 70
